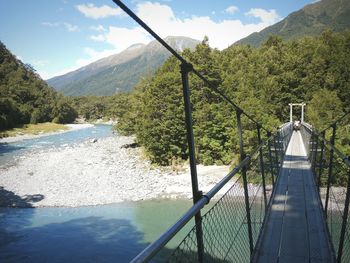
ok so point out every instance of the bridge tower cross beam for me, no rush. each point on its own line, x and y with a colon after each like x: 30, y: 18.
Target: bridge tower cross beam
x: 291, y: 110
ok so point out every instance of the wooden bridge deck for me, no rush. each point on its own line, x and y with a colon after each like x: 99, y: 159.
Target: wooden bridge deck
x: 295, y: 229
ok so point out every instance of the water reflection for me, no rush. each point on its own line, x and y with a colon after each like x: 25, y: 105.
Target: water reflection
x: 111, y: 233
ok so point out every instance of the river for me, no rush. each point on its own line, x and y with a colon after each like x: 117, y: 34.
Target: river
x: 106, y: 233
x: 9, y: 152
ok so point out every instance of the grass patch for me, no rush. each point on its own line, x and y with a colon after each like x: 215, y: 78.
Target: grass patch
x: 33, y: 129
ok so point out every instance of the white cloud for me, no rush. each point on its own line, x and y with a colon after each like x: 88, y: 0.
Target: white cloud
x: 121, y: 38
x: 94, y: 55
x: 221, y: 34
x: 268, y: 17
x: 231, y: 9
x: 162, y: 20
x: 95, y: 12
x: 71, y: 28
x: 68, y: 26
x: 98, y: 28
x: 49, y: 24
x: 98, y: 38
x: 44, y: 74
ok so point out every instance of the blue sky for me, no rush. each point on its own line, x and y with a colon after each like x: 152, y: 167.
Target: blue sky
x: 58, y: 36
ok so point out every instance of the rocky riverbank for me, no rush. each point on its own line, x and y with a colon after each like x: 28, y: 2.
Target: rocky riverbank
x: 71, y: 127
x: 95, y: 173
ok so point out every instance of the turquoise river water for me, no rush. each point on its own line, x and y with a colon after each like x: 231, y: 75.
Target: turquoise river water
x: 107, y: 233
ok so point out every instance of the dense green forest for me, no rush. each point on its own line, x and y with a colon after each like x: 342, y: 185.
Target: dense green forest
x: 262, y: 81
x: 26, y: 98
x: 92, y: 108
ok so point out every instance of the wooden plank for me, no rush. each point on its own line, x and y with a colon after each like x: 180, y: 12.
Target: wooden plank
x: 295, y: 230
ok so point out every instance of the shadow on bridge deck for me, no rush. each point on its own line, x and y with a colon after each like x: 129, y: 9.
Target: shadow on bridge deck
x: 295, y: 228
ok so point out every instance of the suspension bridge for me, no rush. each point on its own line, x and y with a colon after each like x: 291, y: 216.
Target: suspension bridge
x: 289, y: 199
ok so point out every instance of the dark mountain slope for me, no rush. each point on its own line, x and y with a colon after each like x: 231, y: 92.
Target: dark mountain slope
x: 311, y: 20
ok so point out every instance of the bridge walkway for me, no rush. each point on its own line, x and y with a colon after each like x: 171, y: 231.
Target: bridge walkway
x: 295, y: 228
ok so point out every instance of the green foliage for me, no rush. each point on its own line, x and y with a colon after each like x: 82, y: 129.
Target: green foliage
x: 261, y: 81
x: 324, y: 107
x: 25, y: 97
x: 312, y: 20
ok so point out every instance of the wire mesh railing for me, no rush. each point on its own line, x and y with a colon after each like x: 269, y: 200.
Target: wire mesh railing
x: 332, y: 176
x: 255, y: 175
x: 225, y: 225
x: 231, y: 227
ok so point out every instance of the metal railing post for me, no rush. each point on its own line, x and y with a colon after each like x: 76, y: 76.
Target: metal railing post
x: 311, y: 152
x: 278, y: 135
x: 321, y: 162
x: 314, y: 159
x: 262, y: 167
x: 270, y: 158
x: 345, y: 218
x: 330, y: 168
x: 276, y: 153
x: 185, y: 69
x: 245, y: 182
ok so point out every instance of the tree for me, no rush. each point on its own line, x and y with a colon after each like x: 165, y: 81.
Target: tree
x: 324, y: 108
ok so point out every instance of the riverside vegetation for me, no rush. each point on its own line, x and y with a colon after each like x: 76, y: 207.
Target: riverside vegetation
x: 260, y: 80
x: 26, y: 98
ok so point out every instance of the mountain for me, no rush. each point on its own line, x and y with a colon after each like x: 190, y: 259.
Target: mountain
x: 311, y: 20
x: 120, y: 72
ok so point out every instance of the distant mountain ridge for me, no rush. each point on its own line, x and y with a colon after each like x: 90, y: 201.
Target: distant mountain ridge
x: 311, y: 20
x: 120, y: 72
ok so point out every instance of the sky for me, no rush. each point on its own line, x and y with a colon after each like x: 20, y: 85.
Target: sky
x: 59, y: 36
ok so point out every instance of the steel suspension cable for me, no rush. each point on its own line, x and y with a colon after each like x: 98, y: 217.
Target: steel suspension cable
x: 184, y: 61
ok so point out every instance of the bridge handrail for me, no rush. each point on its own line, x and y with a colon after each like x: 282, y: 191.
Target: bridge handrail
x: 152, y: 249
x: 335, y: 122
x: 331, y: 169
x: 329, y: 144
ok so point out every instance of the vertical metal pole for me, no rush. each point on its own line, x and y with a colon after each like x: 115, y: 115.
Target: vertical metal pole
x: 262, y: 166
x: 321, y: 161
x: 280, y: 151
x: 345, y: 218
x: 270, y: 158
x: 315, y: 159
x: 276, y: 153
x: 290, y: 112
x: 311, y: 152
x: 244, y: 177
x: 302, y: 112
x: 330, y: 167
x: 185, y: 69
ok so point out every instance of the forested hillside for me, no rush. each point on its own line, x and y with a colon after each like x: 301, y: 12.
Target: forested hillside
x: 262, y: 81
x: 311, y: 20
x: 26, y: 98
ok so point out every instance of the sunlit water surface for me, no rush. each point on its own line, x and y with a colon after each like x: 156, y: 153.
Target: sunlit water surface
x: 107, y: 233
